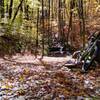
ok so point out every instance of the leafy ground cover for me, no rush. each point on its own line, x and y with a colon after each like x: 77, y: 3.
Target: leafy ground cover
x: 27, y: 78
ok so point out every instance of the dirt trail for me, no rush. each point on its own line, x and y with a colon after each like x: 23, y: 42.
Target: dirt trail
x: 30, y: 59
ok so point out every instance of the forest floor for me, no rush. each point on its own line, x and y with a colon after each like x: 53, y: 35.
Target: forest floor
x: 27, y: 78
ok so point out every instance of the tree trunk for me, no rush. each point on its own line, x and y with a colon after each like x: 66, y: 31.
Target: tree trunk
x: 26, y: 9
x: 82, y: 20
x: 10, y: 9
x: 37, y: 33
x: 59, y: 17
x: 43, y: 28
x: 49, y: 2
x: 17, y: 10
x: 70, y: 20
x: 2, y: 8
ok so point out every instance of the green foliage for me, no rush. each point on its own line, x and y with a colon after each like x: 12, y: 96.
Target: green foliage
x: 23, y: 31
x: 20, y: 35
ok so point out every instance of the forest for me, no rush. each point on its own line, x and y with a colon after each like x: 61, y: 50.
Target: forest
x: 49, y: 49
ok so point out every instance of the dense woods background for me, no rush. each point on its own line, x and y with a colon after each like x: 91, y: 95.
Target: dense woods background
x: 36, y: 25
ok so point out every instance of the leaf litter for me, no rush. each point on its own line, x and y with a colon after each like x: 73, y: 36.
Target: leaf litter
x: 46, y: 81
